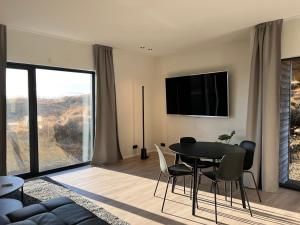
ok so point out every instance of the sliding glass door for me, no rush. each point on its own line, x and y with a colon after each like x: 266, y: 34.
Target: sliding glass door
x: 50, y: 115
x: 65, y: 121
x: 18, y: 154
x: 290, y: 123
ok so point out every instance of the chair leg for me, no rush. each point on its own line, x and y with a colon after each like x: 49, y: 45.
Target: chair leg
x: 255, y: 185
x: 225, y: 186
x: 197, y: 191
x: 184, y: 184
x: 218, y: 188
x: 174, y: 183
x: 162, y: 208
x: 246, y: 196
x: 157, y: 182
x: 211, y: 187
x: 199, y: 182
x: 230, y: 193
x: 200, y: 174
x: 215, y: 194
x: 191, y: 188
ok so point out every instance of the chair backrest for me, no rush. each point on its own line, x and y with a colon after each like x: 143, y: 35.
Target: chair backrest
x: 231, y: 166
x: 162, y: 161
x: 249, y: 146
x: 187, y: 140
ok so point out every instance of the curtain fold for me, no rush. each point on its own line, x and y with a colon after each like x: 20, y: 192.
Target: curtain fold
x: 264, y: 103
x: 3, y: 55
x: 106, y: 144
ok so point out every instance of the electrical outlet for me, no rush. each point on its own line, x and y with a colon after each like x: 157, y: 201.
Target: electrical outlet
x: 162, y: 144
x: 135, y: 146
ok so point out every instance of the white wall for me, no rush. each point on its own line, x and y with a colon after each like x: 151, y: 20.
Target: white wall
x: 290, y: 44
x: 233, y: 56
x: 131, y: 71
x: 38, y: 49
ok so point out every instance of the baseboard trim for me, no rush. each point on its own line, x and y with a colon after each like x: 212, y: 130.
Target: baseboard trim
x: 135, y: 154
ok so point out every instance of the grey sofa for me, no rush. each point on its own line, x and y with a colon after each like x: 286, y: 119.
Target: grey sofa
x: 59, y: 211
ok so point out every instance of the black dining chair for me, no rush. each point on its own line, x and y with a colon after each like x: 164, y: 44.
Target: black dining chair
x: 249, y: 146
x: 190, y: 162
x: 230, y: 169
x: 175, y: 170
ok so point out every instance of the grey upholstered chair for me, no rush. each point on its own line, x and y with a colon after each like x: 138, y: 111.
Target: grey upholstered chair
x: 230, y: 169
x: 249, y: 146
x: 170, y: 171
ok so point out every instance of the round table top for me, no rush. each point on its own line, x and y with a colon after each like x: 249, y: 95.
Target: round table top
x: 9, y: 205
x: 16, y: 183
x: 209, y: 150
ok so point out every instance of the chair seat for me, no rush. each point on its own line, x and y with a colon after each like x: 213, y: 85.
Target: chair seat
x: 205, y: 164
x: 179, y: 170
x: 200, y: 164
x: 211, y: 175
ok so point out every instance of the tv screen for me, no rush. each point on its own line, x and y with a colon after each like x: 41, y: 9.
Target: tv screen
x: 199, y: 94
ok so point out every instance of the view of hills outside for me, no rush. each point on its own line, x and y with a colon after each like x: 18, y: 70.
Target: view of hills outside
x: 65, y: 123
x: 294, y: 166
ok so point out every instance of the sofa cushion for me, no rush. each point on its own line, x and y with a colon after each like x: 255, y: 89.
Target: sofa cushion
x: 66, y: 213
x: 45, y: 219
x: 56, y: 202
x: 59, y: 211
x: 25, y: 222
x: 26, y: 212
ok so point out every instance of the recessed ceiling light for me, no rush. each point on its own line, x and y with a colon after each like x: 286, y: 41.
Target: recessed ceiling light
x: 149, y: 49
x: 142, y: 47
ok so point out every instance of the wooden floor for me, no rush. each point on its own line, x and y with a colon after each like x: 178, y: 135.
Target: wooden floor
x: 126, y: 190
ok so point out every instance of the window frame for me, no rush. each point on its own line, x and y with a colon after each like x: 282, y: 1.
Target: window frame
x: 290, y: 183
x: 33, y: 124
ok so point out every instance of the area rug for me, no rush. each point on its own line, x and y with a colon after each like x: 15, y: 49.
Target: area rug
x: 43, y: 189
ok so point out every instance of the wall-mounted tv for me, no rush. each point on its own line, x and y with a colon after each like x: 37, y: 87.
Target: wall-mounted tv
x: 198, y: 94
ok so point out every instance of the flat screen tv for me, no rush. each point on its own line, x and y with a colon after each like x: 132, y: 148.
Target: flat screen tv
x: 198, y: 95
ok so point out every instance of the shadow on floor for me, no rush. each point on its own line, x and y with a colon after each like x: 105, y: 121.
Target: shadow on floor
x: 124, y: 206
x: 257, y: 213
x: 150, y: 169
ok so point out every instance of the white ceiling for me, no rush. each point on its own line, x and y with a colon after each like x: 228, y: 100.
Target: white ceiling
x: 165, y: 25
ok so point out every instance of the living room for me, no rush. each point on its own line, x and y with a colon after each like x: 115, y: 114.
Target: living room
x: 84, y: 89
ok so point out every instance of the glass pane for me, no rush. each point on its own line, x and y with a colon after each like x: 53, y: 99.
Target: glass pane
x: 294, y: 151
x: 18, y: 159
x: 65, y: 123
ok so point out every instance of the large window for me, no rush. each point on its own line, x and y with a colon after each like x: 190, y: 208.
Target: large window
x: 50, y: 119
x: 18, y: 155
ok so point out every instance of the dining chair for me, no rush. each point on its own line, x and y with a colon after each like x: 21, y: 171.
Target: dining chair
x: 172, y: 171
x: 249, y: 146
x: 230, y: 169
x: 190, y: 162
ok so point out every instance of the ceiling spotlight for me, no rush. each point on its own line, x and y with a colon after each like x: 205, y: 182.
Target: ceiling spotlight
x: 149, y: 49
x: 142, y: 47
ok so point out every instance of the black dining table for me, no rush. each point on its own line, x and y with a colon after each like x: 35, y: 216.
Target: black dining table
x: 207, y: 150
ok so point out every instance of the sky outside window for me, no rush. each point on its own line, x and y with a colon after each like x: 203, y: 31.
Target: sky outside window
x: 16, y: 83
x: 51, y: 83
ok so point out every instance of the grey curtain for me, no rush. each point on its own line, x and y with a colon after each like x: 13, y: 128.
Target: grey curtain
x: 3, y: 169
x: 106, y: 145
x: 264, y: 102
